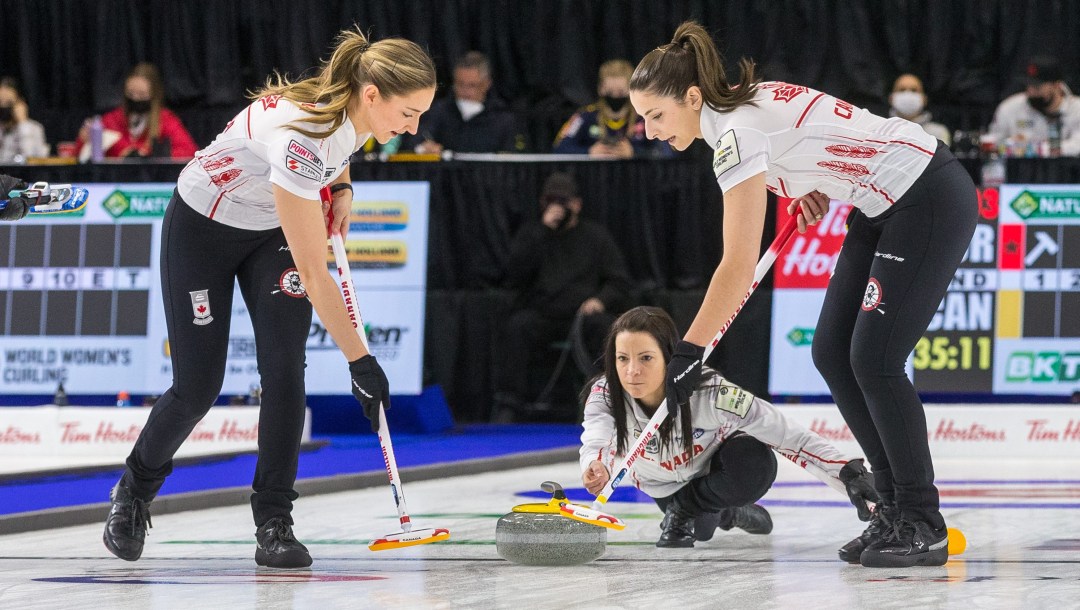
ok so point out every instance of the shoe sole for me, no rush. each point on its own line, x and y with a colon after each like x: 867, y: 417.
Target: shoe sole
x: 937, y: 557
x: 115, y: 551
x: 289, y: 560
x: 675, y: 545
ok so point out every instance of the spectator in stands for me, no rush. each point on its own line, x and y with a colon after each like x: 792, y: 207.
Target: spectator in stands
x: 20, y: 136
x: 1044, y: 119
x: 142, y: 126
x: 472, y: 120
x: 609, y: 128
x: 563, y: 267
x: 908, y: 101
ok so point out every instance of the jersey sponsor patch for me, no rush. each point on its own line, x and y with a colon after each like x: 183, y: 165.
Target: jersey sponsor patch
x: 305, y: 153
x: 301, y: 168
x: 726, y: 155
x: 733, y: 399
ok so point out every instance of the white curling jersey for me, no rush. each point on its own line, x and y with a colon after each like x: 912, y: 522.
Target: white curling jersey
x: 718, y: 409
x: 806, y: 140
x: 231, y: 180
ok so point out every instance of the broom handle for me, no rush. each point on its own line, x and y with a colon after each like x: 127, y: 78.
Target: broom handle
x: 348, y: 290
x: 661, y: 413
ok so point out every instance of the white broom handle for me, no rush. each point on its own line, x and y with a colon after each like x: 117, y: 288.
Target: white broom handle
x: 341, y: 259
x: 661, y: 413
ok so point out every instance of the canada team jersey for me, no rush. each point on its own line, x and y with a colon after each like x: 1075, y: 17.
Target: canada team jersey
x: 806, y: 140
x: 231, y: 180
x: 718, y: 410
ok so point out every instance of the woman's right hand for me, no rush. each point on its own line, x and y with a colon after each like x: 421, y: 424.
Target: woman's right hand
x: 595, y: 477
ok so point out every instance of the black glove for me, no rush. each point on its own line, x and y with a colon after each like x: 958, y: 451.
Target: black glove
x: 683, y: 374
x: 860, y: 487
x: 370, y: 387
x: 15, y: 208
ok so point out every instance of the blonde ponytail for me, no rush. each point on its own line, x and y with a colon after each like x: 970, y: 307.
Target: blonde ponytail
x: 395, y: 65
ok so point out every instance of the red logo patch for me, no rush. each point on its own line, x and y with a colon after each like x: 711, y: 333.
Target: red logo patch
x: 847, y: 150
x: 225, y: 177
x: 217, y: 164
x: 291, y: 285
x: 851, y: 169
x: 783, y: 92
x: 270, y: 101
x: 872, y: 298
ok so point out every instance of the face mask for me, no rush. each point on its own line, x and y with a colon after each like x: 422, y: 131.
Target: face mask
x: 136, y: 107
x: 469, y: 108
x: 615, y: 103
x: 6, y: 114
x: 1040, y: 103
x: 907, y: 103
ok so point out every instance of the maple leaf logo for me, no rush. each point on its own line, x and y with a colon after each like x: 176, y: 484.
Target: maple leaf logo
x: 202, y: 308
x: 784, y: 92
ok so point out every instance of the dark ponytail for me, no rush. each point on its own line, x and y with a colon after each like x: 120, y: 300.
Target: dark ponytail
x: 691, y: 59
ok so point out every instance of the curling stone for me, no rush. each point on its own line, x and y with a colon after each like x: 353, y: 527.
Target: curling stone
x: 538, y: 535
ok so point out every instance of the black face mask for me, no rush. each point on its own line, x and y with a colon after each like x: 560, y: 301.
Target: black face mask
x: 136, y: 107
x: 615, y: 103
x: 1040, y: 103
x: 6, y: 114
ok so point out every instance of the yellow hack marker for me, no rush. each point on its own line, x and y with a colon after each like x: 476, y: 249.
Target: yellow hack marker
x: 957, y: 541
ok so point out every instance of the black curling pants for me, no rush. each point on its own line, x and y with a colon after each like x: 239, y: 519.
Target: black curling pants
x: 201, y: 254
x: 740, y: 473
x: 891, y: 275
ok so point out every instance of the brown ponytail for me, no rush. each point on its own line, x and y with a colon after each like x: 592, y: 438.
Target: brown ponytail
x: 691, y: 59
x: 394, y: 65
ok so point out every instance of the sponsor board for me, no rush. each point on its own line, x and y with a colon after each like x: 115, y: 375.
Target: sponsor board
x: 370, y: 215
x: 967, y: 431
x: 810, y: 257
x: 105, y: 432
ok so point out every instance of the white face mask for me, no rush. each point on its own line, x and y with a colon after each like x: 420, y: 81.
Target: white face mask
x: 469, y: 108
x: 907, y: 103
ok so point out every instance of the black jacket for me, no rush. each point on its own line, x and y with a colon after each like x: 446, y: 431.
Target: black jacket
x: 495, y: 129
x: 556, y: 272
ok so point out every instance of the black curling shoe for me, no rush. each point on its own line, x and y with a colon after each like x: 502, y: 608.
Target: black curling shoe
x: 678, y: 527
x: 751, y: 518
x: 880, y: 520
x: 278, y: 548
x: 906, y: 544
x: 125, y: 528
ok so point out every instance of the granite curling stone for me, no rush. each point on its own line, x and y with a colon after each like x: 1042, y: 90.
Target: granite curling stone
x: 537, y: 535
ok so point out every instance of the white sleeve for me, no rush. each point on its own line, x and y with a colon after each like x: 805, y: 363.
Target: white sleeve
x: 32, y: 139
x: 598, y: 429
x: 1070, y: 127
x: 296, y: 165
x: 762, y: 420
x: 739, y: 155
x: 999, y: 126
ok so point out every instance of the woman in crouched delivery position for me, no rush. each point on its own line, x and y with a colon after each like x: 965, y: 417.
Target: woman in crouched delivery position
x: 714, y: 457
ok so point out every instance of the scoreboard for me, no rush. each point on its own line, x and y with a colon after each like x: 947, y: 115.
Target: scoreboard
x: 1009, y: 323
x: 81, y: 296
x: 1038, y: 310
